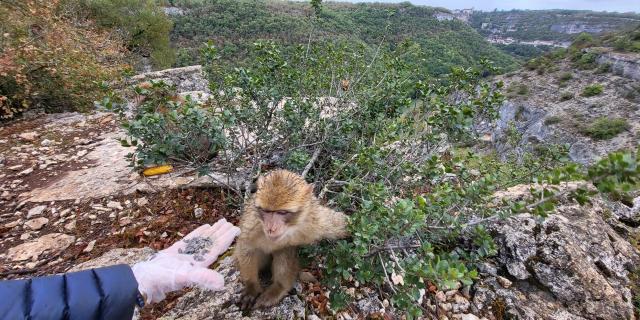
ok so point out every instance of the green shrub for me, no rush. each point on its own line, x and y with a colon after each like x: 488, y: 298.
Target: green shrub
x: 592, y: 90
x: 566, y: 76
x: 605, y: 128
x: 551, y: 120
x: 566, y: 96
x: 169, y: 129
x: 604, y: 68
x: 585, y: 60
x: 517, y: 89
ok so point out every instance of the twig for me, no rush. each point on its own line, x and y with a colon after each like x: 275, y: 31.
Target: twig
x: 328, y: 183
x: 386, y: 274
x: 314, y: 157
x: 389, y: 247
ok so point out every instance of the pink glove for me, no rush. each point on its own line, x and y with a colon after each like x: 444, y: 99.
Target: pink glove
x: 186, y: 262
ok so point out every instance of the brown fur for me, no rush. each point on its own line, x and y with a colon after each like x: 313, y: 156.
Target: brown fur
x: 306, y: 222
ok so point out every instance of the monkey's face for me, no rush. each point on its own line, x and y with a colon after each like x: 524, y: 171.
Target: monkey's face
x: 281, y: 201
x: 275, y: 223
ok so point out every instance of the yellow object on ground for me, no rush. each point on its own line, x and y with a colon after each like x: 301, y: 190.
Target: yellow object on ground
x: 157, y: 170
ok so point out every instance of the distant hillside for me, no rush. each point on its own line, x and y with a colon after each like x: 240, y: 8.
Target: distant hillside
x: 549, y: 25
x: 587, y: 96
x: 519, y: 32
x: 234, y: 25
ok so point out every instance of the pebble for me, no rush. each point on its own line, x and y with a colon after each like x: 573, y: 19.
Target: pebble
x: 70, y: 226
x: 46, y: 142
x: 89, y: 246
x: 64, y: 212
x: 92, y: 216
x: 125, y: 221
x: 15, y: 168
x: 81, y: 153
x: 6, y: 195
x: 25, y: 172
x: 198, y: 212
x: 446, y: 306
x: 469, y: 316
x: 504, y: 282
x: 12, y: 224
x: 142, y: 201
x: 114, y: 205
x: 25, y: 236
x: 451, y: 293
x: 28, y: 136
x: 440, y: 296
x: 461, y: 304
x: 37, y: 223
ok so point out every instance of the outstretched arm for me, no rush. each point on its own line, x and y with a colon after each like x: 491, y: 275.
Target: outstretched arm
x: 334, y: 223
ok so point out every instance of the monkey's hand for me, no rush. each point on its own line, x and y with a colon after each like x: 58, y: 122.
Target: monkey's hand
x: 186, y: 262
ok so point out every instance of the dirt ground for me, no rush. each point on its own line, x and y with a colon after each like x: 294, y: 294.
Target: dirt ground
x: 135, y: 220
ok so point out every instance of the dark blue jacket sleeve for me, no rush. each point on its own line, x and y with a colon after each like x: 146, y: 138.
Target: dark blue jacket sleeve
x: 105, y: 293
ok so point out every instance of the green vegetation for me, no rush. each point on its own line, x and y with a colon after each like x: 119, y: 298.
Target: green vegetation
x: 140, y: 23
x: 524, y: 51
x: 528, y: 25
x: 517, y: 89
x: 233, y: 25
x: 52, y: 61
x: 628, y: 41
x: 566, y: 96
x: 605, y: 128
x: 551, y: 120
x: 592, y: 90
x: 566, y: 76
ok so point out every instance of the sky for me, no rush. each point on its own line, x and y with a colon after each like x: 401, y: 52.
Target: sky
x: 487, y: 5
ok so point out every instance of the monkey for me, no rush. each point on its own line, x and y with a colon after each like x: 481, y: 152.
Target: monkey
x: 282, y: 215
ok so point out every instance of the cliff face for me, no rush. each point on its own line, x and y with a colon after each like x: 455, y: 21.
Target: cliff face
x: 623, y: 64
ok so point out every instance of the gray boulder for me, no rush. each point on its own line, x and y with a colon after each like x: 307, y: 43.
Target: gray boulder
x: 572, y: 265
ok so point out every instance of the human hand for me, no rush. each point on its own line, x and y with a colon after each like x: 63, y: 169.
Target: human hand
x: 186, y: 262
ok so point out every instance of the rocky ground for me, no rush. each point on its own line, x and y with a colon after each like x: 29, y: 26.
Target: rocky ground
x: 69, y: 201
x: 548, y: 107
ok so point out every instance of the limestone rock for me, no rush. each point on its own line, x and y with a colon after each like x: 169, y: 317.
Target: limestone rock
x: 48, y: 244
x: 35, y: 211
x: 114, y: 205
x: 572, y: 265
x: 203, y: 304
x: 37, y: 223
x: 89, y: 246
x: 29, y: 136
x: 116, y: 256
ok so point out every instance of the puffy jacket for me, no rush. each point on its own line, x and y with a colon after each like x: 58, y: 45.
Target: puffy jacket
x: 104, y: 293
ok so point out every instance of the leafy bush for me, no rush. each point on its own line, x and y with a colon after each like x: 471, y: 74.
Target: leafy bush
x: 585, y: 60
x: 566, y: 96
x: 51, y: 61
x: 592, y: 90
x: 551, y: 120
x: 566, y: 76
x: 170, y: 128
x: 605, y: 128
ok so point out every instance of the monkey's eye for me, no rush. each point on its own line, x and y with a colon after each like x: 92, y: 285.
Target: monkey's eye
x: 282, y: 213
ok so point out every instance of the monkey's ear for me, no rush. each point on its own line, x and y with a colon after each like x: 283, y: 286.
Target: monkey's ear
x: 308, y: 189
x: 260, y: 182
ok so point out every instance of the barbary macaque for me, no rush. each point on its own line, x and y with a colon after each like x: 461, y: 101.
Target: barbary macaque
x: 282, y: 215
